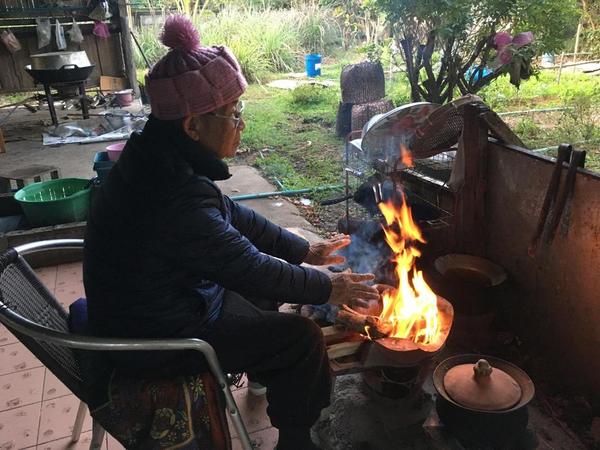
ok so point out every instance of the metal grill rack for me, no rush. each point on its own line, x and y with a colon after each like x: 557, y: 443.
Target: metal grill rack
x: 359, y: 169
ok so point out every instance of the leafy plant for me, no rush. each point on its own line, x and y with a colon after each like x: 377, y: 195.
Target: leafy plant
x: 463, y: 33
x: 308, y: 94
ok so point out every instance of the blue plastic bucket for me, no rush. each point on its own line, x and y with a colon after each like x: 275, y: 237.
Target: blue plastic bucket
x: 102, y: 165
x: 313, y: 64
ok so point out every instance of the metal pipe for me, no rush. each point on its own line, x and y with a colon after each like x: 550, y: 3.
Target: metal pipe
x: 560, y: 67
x: 286, y: 193
x: 545, y: 149
x: 532, y: 111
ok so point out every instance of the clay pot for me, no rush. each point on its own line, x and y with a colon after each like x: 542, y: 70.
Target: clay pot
x: 496, y: 428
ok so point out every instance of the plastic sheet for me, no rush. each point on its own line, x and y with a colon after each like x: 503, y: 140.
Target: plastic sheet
x: 101, y: 30
x: 61, y: 42
x: 113, y: 125
x: 10, y: 41
x: 44, y: 31
x: 75, y: 35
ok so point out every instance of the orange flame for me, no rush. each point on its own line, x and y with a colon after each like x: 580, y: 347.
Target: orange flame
x: 412, y: 308
x: 406, y: 156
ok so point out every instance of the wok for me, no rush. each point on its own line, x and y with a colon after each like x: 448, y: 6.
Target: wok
x: 66, y: 74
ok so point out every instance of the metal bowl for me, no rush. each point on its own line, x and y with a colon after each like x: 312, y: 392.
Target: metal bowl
x: 480, y: 266
x: 57, y: 60
x: 66, y: 74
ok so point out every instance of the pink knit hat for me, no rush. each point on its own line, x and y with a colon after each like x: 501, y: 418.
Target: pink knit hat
x: 191, y: 79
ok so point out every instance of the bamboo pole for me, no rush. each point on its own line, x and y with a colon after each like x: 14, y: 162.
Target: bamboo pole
x: 576, y: 45
x: 562, y: 59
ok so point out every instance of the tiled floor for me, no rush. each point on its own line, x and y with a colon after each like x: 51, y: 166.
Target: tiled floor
x: 37, y: 411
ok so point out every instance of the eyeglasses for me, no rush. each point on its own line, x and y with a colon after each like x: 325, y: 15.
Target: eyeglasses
x: 237, y: 114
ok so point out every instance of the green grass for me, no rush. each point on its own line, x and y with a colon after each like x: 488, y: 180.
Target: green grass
x: 9, y: 99
x: 263, y: 40
x: 284, y: 122
x: 296, y: 141
x: 541, y: 90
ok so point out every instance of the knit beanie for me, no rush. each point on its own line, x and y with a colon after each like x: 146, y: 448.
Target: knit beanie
x: 191, y: 79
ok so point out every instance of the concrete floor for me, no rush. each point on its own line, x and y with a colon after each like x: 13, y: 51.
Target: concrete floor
x: 23, y: 134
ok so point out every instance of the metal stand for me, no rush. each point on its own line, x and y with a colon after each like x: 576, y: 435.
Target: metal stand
x: 81, y: 87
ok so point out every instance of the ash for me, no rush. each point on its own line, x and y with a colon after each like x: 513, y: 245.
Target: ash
x: 360, y: 419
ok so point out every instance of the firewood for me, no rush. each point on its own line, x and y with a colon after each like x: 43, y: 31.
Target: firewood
x: 362, y: 323
x: 343, y: 349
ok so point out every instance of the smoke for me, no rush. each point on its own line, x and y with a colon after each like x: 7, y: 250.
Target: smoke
x: 368, y: 252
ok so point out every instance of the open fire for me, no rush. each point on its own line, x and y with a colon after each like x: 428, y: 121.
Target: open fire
x: 411, y: 309
x: 412, y: 318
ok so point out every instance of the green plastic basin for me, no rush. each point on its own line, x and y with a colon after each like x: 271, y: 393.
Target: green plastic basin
x: 56, y: 201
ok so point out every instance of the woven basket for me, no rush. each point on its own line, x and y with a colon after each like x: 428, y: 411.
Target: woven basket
x: 362, y: 113
x: 362, y: 83
x: 343, y: 120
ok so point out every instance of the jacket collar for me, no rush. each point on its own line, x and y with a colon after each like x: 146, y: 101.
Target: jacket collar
x: 164, y: 153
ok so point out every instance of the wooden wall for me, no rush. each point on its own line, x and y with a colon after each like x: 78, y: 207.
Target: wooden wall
x: 105, y: 54
x: 558, y: 300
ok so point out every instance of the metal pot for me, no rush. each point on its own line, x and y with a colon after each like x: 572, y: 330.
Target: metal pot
x: 57, y: 60
x: 483, y: 428
x: 65, y: 74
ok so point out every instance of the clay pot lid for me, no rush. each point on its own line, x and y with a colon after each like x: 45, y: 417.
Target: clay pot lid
x: 482, y: 387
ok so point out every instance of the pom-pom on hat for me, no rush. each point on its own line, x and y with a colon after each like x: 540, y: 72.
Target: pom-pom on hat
x: 191, y: 79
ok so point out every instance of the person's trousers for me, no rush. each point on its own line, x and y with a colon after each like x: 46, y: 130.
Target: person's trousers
x: 284, y: 352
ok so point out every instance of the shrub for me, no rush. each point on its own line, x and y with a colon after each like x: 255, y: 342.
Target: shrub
x: 309, y: 94
x: 263, y: 40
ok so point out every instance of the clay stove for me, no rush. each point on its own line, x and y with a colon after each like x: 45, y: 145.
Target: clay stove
x: 392, y: 343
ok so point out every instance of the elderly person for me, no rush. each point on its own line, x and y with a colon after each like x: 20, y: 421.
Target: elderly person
x: 168, y: 255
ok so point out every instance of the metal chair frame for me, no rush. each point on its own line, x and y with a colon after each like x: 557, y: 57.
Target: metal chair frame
x: 21, y: 325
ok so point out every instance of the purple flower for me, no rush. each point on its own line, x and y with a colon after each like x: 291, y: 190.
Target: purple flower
x: 506, y: 45
x: 522, y: 39
x: 502, y: 38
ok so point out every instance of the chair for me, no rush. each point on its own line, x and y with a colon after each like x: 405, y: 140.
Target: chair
x: 34, y: 316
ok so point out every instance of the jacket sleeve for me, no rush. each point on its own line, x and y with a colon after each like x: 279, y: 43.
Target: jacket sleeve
x: 265, y: 235
x: 211, y: 248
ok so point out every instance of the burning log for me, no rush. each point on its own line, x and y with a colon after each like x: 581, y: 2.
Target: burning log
x: 367, y: 325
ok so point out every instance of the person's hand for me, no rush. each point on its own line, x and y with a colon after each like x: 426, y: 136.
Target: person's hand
x: 375, y: 306
x: 349, y: 289
x: 383, y: 288
x: 321, y: 254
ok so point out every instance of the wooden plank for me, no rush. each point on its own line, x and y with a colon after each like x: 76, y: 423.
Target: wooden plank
x: 55, y: 11
x: 470, y: 200
x: 89, y: 46
x: 128, y: 54
x: 110, y: 56
x: 343, y: 349
x: 500, y: 130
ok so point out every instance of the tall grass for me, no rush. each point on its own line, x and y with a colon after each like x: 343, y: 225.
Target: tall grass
x: 262, y: 40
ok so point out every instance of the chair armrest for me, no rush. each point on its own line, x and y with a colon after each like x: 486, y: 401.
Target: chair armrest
x: 54, y: 244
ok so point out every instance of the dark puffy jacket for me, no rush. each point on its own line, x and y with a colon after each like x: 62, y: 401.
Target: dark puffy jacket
x: 162, y: 243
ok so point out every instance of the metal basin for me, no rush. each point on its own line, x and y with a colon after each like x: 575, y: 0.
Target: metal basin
x: 57, y: 60
x: 65, y: 74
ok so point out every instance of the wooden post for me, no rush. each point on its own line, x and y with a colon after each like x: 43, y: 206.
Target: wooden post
x: 562, y: 59
x: 576, y: 46
x: 2, y: 143
x: 130, y: 70
x: 470, y: 200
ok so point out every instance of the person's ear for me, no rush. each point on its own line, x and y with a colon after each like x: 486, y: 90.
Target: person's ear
x: 190, y: 127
